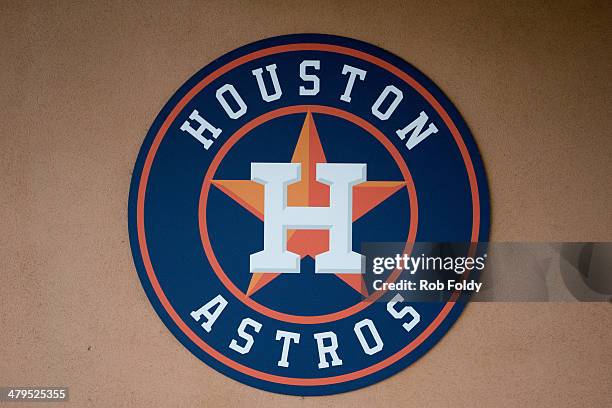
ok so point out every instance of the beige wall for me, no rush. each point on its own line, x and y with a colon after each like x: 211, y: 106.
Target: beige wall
x: 80, y: 85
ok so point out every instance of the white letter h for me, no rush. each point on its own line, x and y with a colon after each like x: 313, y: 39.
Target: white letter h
x: 337, y: 218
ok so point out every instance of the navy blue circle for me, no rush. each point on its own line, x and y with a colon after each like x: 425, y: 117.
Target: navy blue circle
x: 175, y: 181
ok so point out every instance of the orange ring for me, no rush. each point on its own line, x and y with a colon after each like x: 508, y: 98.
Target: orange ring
x: 210, y: 254
x: 143, y: 186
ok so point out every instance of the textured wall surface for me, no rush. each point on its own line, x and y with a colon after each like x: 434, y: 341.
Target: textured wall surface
x: 81, y: 83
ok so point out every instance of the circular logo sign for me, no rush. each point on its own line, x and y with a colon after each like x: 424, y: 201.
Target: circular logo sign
x: 258, y: 184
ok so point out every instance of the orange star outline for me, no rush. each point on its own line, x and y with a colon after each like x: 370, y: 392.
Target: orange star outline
x: 308, y: 192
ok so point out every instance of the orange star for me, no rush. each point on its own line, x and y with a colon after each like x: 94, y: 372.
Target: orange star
x: 308, y: 193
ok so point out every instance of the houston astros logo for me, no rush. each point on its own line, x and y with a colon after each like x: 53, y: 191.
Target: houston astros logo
x: 258, y: 185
